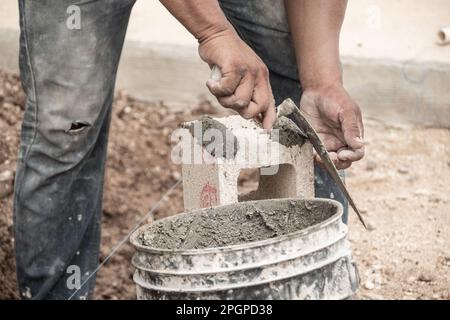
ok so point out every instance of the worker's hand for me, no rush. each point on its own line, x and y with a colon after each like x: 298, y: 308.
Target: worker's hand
x: 244, y: 85
x: 337, y: 119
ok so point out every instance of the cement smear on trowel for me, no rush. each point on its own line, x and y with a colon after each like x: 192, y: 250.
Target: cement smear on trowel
x: 235, y: 224
x: 289, y: 133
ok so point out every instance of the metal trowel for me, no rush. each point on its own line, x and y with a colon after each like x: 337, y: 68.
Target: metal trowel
x: 288, y: 109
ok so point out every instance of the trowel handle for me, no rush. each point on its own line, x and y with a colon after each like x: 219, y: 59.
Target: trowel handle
x: 216, y: 74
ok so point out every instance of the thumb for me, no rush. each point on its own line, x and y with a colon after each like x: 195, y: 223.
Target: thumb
x: 351, y: 126
x: 352, y: 129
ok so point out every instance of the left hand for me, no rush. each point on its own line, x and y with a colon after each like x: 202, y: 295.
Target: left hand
x: 243, y: 84
x: 337, y: 120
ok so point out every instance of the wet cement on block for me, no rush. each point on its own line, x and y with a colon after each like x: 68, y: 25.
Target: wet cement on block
x: 226, y: 148
x: 289, y: 134
x: 235, y: 224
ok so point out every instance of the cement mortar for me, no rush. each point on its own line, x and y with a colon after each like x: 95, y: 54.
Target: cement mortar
x: 289, y: 133
x: 235, y: 224
x: 229, y: 146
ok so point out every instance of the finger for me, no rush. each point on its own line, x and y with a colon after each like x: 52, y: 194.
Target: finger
x: 226, y: 86
x: 261, y: 100
x: 352, y: 127
x: 332, y: 142
x: 270, y: 116
x: 259, y: 118
x: 263, y: 96
x: 241, y: 98
x: 332, y: 155
x: 253, y: 110
x: 350, y: 154
x: 340, y: 165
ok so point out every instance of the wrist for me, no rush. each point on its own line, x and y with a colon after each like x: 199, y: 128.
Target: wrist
x: 214, y: 30
x: 316, y: 80
x: 320, y: 70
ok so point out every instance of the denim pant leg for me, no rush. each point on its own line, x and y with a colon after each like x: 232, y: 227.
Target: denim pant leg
x: 68, y: 62
x: 262, y: 24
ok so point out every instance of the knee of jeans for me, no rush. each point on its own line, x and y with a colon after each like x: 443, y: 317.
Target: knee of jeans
x: 68, y: 135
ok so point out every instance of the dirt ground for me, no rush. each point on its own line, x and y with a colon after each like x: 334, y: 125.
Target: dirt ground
x: 402, y: 186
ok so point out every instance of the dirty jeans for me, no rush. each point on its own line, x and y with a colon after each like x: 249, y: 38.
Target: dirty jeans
x: 68, y: 73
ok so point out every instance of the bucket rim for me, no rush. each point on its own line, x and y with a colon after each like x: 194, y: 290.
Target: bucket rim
x: 242, y: 246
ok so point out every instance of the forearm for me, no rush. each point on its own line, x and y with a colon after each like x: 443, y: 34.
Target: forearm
x: 202, y: 18
x: 315, y: 27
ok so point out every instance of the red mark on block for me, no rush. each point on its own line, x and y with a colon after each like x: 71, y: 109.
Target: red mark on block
x: 208, y: 196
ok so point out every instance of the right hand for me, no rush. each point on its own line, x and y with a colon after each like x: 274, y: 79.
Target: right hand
x: 244, y: 85
x: 337, y: 120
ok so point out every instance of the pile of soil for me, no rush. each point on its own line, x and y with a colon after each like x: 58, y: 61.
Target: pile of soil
x: 12, y: 100
x: 401, y: 186
x: 139, y: 172
x: 235, y: 224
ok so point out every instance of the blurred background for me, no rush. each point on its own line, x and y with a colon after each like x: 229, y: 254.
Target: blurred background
x: 394, y: 67
x: 392, y: 62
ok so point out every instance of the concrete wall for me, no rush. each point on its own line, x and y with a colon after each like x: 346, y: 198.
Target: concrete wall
x: 392, y: 64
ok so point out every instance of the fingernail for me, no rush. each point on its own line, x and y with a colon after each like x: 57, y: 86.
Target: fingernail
x: 212, y: 83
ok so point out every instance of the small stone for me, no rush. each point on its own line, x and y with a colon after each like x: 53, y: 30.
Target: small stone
x: 363, y: 210
x: 162, y: 153
x: 369, y: 285
x: 6, y: 176
x: 411, y: 279
x: 372, y: 296
x: 426, y: 277
x: 123, y: 209
x: 371, y: 165
x: 446, y: 261
x: 6, y: 190
x: 6, y: 183
x: 435, y: 199
x: 176, y: 175
x: 403, y: 171
x: 389, y: 271
x: 157, y: 170
x: 371, y: 226
x: 422, y: 192
x: 408, y: 292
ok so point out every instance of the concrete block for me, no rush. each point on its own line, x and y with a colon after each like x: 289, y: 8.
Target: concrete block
x: 286, y: 168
